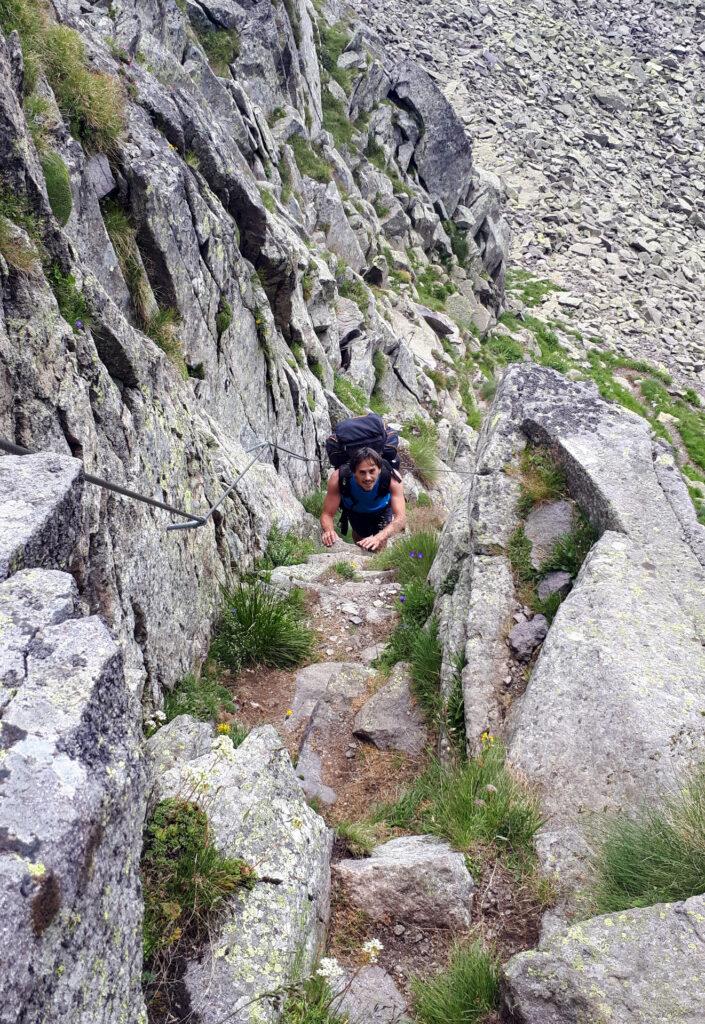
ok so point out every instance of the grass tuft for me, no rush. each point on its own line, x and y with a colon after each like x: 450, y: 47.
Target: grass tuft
x: 202, y: 697
x: 541, y: 479
x: 465, y: 992
x: 655, y: 856
x: 350, y: 394
x: 345, y: 570
x: 285, y: 549
x: 72, y: 305
x: 309, y: 160
x: 360, y: 837
x: 475, y: 805
x: 312, y: 1002
x: 411, y: 556
x: 58, y: 183
x: 336, y: 120
x: 185, y: 879
x: 423, y: 449
x: 261, y: 627
x: 426, y: 658
x: 569, y: 552
x: 221, y: 47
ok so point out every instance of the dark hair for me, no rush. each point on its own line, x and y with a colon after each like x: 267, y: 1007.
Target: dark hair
x: 362, y: 454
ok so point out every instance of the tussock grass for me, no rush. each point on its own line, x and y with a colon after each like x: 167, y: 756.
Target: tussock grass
x: 360, y: 837
x: 431, y: 289
x: 336, y: 120
x: 423, y: 449
x: 345, y: 570
x: 464, y: 993
x: 185, y: 880
x: 285, y: 549
x: 542, y: 479
x: 313, y: 502
x: 655, y: 856
x: 202, y: 697
x: 333, y: 40
x: 569, y: 552
x: 503, y: 349
x: 411, y: 556
x: 426, y: 658
x: 72, y: 305
x: 475, y: 806
x: 260, y: 627
x: 13, y: 248
x: 58, y: 183
x: 312, y: 1003
x: 416, y: 604
x: 163, y: 328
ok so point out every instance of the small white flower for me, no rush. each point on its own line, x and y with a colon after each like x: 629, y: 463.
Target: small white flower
x: 372, y: 948
x: 329, y: 968
x: 161, y: 715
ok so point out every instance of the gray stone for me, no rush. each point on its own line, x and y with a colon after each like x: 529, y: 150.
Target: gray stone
x: 369, y: 996
x: 40, y: 511
x: 416, y: 880
x: 636, y: 967
x: 525, y: 637
x: 390, y: 719
x: 441, y: 324
x: 443, y: 155
x: 545, y: 524
x: 271, y: 934
x: 554, y: 583
x: 69, y: 865
x: 182, y: 739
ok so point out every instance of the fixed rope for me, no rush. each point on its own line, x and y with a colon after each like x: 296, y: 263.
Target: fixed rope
x: 192, y: 521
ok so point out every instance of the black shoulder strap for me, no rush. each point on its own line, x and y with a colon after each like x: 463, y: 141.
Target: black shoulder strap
x: 385, y: 480
x: 344, y: 474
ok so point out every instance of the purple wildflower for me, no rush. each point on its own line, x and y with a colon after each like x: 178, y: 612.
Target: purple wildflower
x: 420, y: 554
x: 403, y: 598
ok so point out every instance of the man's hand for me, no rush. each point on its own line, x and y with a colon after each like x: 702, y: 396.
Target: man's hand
x: 329, y: 537
x: 371, y: 543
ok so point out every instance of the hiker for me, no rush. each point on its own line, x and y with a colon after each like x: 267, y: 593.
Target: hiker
x: 371, y: 499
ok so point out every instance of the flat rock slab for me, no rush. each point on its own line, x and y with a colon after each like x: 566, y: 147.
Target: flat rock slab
x: 40, y: 511
x: 415, y: 880
x: 546, y: 524
x: 323, y: 703
x: 554, y: 583
x: 370, y: 997
x: 390, y: 719
x: 636, y: 967
x: 257, y: 812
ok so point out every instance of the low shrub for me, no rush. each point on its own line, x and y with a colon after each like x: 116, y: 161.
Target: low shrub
x: 474, y: 805
x: 58, y: 183
x: 202, y: 697
x: 185, y: 880
x: 261, y: 627
x: 655, y: 856
x: 465, y: 992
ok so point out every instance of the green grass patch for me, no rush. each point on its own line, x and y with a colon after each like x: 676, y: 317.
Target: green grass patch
x: 569, y: 552
x: 467, y: 398
x: 285, y: 549
x: 654, y: 856
x: 332, y: 41
x: 411, y: 556
x: 465, y: 992
x: 458, y: 242
x: 313, y: 502
x: 355, y: 289
x: 345, y: 570
x: 503, y: 349
x: 16, y: 251
x: 553, y: 354
x: 529, y: 289
x: 221, y: 47
x: 425, y: 657
x: 432, y: 290
x: 58, y: 183
x: 336, y: 120
x: 202, y: 697
x: 360, y: 837
x: 309, y: 159
x: 455, y: 710
x: 72, y: 304
x: 123, y: 236
x: 268, y: 200
x: 163, y: 328
x: 350, y: 394
x: 185, y: 880
x: 259, y: 626
x: 478, y: 806
x: 224, y: 317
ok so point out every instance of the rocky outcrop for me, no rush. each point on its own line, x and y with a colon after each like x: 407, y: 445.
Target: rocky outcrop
x: 390, y: 719
x: 635, y: 967
x: 72, y: 781
x: 257, y: 812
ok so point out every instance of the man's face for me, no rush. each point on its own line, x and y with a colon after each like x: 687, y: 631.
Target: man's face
x: 366, y: 474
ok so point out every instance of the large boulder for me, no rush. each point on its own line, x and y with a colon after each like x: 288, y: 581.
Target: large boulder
x: 71, y: 813
x: 635, y: 967
x: 443, y: 155
x: 416, y: 880
x: 257, y: 812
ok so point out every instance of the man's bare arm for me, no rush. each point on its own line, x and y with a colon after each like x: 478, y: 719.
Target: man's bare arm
x: 331, y: 504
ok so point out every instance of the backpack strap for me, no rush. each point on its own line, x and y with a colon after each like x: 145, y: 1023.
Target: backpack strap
x: 344, y: 475
x: 385, y: 479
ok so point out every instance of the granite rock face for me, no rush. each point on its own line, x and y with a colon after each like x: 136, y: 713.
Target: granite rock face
x: 257, y: 812
x: 70, y: 813
x: 636, y: 967
x: 390, y: 719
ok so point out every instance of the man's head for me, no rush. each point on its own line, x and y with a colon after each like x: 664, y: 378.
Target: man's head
x: 366, y: 465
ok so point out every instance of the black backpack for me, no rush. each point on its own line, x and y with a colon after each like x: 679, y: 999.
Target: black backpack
x: 363, y: 432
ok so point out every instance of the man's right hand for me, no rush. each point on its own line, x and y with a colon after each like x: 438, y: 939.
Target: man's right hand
x: 329, y: 537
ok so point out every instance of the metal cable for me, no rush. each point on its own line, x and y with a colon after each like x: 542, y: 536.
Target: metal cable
x: 193, y: 520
